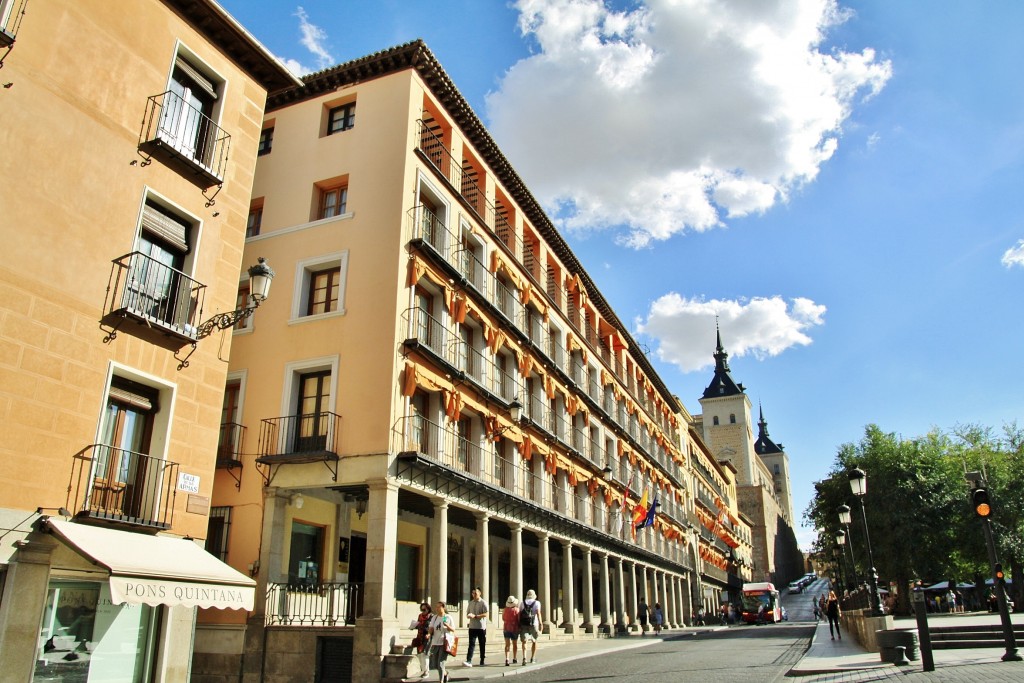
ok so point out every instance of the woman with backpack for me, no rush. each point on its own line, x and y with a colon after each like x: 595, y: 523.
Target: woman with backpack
x: 529, y: 623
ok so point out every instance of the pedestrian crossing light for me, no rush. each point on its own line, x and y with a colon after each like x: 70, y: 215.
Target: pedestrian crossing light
x: 982, y: 506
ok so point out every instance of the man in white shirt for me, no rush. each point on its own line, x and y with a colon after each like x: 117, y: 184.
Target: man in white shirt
x: 529, y: 624
x: 477, y: 612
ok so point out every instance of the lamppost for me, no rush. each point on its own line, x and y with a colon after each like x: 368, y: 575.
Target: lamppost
x: 859, y: 486
x: 841, y: 553
x: 845, y: 519
x: 837, y: 555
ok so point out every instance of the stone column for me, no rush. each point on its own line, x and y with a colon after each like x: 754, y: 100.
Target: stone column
x: 587, y: 573
x: 620, y: 597
x: 439, y: 552
x: 606, y: 593
x: 21, y: 609
x: 516, y: 561
x: 670, y: 601
x: 655, y: 597
x: 568, y: 601
x: 483, y: 555
x: 631, y: 594
x: 377, y: 626
x: 544, y: 578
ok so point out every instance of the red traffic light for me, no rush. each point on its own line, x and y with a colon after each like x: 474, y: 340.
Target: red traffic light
x: 982, y: 506
x: 999, y: 572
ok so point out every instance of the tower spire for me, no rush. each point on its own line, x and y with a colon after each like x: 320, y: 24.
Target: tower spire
x: 722, y: 383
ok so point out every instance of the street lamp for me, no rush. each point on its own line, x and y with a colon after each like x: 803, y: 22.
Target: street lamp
x: 845, y: 519
x: 859, y: 486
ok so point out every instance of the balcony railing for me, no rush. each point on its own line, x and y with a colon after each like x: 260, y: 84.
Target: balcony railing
x: 186, y: 137
x: 320, y: 604
x: 229, y: 447
x: 146, y: 290
x: 10, y: 21
x: 123, y: 487
x: 300, y: 438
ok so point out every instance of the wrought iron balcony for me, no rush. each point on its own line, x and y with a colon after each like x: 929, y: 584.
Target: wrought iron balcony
x: 11, y: 14
x: 123, y: 487
x: 154, y: 294
x: 317, y: 604
x: 299, y: 439
x: 186, y: 138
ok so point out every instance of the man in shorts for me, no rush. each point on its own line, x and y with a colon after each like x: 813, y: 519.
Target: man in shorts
x: 529, y: 624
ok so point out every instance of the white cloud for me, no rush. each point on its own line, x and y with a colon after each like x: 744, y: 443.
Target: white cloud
x: 1014, y: 256
x: 313, y: 39
x: 684, y: 329
x: 678, y: 113
x: 296, y: 67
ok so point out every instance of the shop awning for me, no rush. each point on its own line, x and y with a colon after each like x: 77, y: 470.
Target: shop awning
x: 158, y: 570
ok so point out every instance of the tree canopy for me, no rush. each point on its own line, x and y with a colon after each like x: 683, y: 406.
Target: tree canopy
x: 917, y: 506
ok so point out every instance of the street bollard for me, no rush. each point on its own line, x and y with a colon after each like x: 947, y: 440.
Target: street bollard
x: 925, y: 638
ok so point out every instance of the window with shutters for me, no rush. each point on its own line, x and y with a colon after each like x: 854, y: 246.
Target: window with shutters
x: 158, y: 286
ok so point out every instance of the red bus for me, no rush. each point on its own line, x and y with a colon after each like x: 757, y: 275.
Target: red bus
x: 761, y: 598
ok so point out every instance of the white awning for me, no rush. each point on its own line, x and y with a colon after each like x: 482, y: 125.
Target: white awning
x: 158, y: 570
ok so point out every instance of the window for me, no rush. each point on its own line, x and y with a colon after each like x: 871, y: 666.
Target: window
x: 158, y: 288
x: 465, y: 359
x: 323, y: 291
x: 714, y: 420
x: 313, y: 423
x: 423, y: 319
x: 80, y: 619
x: 255, y: 219
x: 407, y: 570
x: 217, y: 532
x: 320, y: 287
x: 186, y: 115
x: 341, y: 118
x: 333, y: 202
x: 732, y: 418
x: 464, y: 429
x: 266, y: 141
x: 126, y: 481
x: 419, y: 432
x: 230, y: 430
x: 305, y: 555
x: 242, y: 301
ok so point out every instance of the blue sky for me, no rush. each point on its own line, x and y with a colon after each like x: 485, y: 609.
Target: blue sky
x: 840, y: 184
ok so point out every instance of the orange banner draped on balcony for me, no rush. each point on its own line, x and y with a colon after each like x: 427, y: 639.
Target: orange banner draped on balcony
x: 495, y: 338
x: 549, y: 387
x: 417, y: 269
x: 527, y: 296
x: 498, y: 263
x: 452, y: 404
x: 551, y: 463
x: 459, y: 308
x: 592, y: 486
x: 414, y: 376
x: 606, y: 378
x: 574, y: 344
x: 575, y: 285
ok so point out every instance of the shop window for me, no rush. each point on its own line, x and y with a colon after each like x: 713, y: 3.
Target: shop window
x: 305, y: 555
x: 85, y: 637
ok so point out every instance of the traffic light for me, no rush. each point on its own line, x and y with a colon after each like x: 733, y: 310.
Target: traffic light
x: 982, y: 506
x: 999, y: 572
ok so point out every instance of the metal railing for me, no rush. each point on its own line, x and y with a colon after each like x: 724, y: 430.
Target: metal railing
x: 229, y: 447
x: 300, y: 435
x: 10, y: 23
x: 141, y: 287
x: 123, y: 486
x: 173, y: 124
x: 319, y: 604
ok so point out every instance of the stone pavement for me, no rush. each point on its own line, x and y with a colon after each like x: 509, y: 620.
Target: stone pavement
x: 825, y: 661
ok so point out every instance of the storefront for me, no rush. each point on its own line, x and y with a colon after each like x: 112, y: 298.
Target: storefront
x: 118, y: 606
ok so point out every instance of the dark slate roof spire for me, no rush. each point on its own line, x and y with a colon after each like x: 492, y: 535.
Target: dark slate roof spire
x: 722, y: 383
x: 764, y: 445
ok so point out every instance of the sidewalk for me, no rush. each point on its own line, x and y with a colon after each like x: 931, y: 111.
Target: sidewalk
x: 827, y: 656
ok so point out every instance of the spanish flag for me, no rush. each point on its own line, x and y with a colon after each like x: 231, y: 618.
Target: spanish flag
x: 640, y: 510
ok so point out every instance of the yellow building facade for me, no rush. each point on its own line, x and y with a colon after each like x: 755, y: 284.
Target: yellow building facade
x: 129, y: 140
x: 436, y: 398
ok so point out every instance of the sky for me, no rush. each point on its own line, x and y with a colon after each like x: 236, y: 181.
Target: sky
x: 837, y: 184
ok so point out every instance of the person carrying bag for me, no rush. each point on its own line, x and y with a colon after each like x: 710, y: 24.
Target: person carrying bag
x: 442, y: 641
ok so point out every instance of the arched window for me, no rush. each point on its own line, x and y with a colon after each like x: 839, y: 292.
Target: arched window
x: 732, y: 418
x: 714, y: 420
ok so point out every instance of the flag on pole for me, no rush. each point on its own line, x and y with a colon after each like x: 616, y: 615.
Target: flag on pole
x: 640, y: 510
x: 648, y: 519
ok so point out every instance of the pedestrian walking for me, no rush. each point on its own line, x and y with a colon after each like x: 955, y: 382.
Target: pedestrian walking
x: 442, y: 636
x: 510, y: 628
x: 642, y: 614
x: 529, y: 624
x: 657, y: 618
x: 477, y: 611
x: 421, y: 643
x: 834, y: 614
